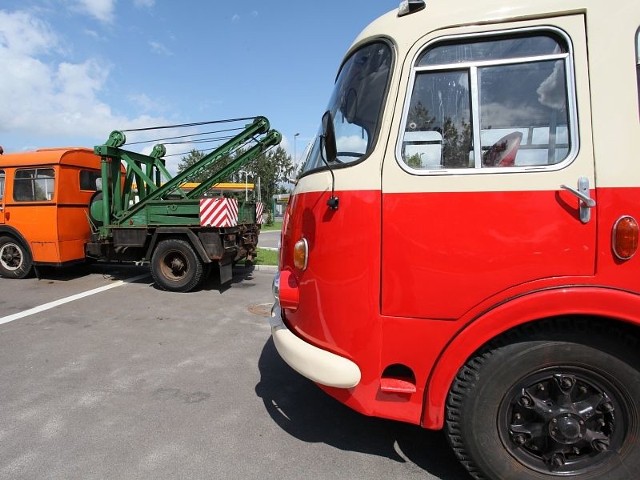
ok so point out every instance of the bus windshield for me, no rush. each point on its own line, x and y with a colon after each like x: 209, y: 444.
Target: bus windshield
x: 356, y: 104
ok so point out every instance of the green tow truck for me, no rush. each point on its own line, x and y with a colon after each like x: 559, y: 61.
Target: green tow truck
x: 140, y: 214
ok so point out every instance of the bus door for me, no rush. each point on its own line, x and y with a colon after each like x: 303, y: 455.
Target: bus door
x: 491, y: 181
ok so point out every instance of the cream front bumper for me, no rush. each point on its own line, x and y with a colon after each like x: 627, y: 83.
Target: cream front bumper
x: 318, y: 365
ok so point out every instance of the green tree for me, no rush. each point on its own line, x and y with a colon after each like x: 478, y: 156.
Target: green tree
x: 414, y: 161
x: 456, y: 145
x: 194, y: 157
x: 274, y: 169
x: 419, y: 118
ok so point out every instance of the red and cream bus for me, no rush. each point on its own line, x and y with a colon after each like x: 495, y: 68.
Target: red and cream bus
x: 459, y: 251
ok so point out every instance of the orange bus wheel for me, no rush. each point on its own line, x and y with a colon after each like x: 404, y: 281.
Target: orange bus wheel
x: 15, y: 258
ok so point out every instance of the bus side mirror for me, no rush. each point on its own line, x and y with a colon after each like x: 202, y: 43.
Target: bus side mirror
x: 328, y: 144
x: 329, y: 137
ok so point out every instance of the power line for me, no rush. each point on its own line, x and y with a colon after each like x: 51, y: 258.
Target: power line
x: 195, y: 124
x: 186, y: 136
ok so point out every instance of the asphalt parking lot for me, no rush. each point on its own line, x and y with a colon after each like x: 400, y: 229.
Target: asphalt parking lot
x: 131, y: 382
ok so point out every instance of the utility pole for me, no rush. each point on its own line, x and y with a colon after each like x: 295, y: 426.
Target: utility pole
x: 295, y: 157
x: 246, y: 193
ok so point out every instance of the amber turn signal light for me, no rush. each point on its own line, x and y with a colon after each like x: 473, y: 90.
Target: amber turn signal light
x: 625, y: 237
x: 301, y: 254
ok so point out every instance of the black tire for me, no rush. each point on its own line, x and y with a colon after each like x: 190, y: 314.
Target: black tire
x: 559, y: 401
x: 15, y: 258
x: 175, y: 266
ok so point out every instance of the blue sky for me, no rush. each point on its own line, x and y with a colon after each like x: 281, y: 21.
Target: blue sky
x: 74, y: 70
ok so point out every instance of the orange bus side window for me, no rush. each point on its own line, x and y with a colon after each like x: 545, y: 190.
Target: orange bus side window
x: 33, y: 185
x: 88, y: 179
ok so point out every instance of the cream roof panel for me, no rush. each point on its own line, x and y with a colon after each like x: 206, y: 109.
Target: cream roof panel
x: 440, y: 14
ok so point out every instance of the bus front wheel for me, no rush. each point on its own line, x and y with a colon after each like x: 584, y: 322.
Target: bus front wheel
x: 15, y: 258
x: 549, y: 405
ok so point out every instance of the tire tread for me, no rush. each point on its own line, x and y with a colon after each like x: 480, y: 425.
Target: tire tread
x: 615, y: 336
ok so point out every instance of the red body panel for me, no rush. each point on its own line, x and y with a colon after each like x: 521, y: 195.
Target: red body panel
x: 443, y: 253
x: 343, y: 274
x: 488, y: 277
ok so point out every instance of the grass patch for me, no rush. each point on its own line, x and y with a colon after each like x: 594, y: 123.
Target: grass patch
x: 276, y: 225
x: 267, y: 257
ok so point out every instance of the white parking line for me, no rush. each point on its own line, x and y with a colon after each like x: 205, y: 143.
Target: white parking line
x: 72, y: 298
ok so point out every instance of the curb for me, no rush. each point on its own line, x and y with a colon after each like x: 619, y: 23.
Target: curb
x: 266, y: 268
x: 257, y: 268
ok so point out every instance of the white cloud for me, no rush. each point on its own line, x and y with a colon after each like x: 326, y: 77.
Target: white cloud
x: 144, y: 102
x: 551, y: 92
x: 102, y: 10
x: 351, y: 143
x: 160, y: 49
x: 23, y: 34
x: 53, y: 99
x: 42, y: 97
x: 235, y: 17
x: 92, y: 33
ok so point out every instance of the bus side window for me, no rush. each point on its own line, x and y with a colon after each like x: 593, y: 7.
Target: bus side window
x: 497, y: 101
x: 33, y: 185
x: 438, y: 129
x: 88, y: 180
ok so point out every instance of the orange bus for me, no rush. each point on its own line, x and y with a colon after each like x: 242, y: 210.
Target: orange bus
x: 44, y: 200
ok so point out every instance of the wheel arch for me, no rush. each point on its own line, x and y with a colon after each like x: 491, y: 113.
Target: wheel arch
x: 12, y: 232
x: 585, y: 302
x: 163, y: 233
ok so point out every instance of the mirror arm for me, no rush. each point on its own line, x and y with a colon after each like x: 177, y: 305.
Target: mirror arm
x: 333, y: 201
x: 328, y: 138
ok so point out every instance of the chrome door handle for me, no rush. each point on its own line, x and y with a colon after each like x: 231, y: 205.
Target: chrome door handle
x: 586, y: 202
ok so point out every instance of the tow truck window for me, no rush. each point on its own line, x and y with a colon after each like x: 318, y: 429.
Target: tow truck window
x: 489, y: 102
x: 33, y: 185
x: 356, y: 104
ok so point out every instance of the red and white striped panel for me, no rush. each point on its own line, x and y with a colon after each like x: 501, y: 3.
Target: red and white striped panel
x: 218, y: 212
x: 259, y: 212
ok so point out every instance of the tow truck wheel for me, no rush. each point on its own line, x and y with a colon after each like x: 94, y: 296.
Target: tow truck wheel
x: 549, y: 406
x: 175, y: 266
x: 15, y: 258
